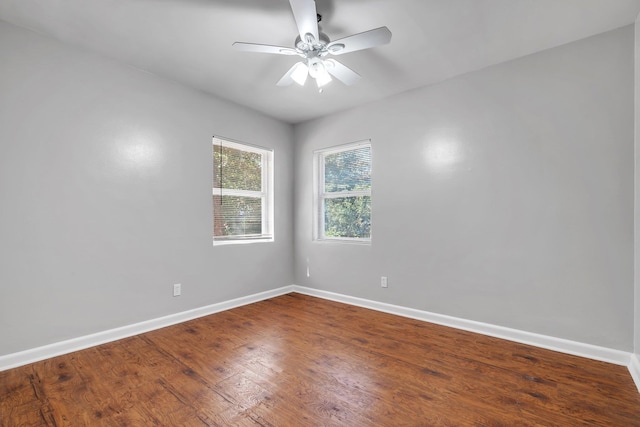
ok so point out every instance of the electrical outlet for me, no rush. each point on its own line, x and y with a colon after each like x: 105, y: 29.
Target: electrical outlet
x: 177, y: 290
x: 383, y: 282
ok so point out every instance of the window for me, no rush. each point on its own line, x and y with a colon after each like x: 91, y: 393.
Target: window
x: 343, y: 193
x: 242, y: 193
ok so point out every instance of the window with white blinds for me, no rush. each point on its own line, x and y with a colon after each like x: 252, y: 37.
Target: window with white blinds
x: 242, y: 192
x: 342, y: 208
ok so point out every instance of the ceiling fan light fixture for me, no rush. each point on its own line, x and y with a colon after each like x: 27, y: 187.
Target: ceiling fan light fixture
x: 318, y: 71
x: 316, y: 67
x: 300, y: 73
x: 323, y: 79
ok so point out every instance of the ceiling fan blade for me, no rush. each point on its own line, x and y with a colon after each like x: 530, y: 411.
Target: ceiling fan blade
x: 264, y: 48
x: 298, y: 73
x: 341, y: 72
x: 360, y: 41
x: 304, y: 12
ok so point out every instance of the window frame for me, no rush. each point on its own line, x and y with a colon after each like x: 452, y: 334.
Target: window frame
x: 319, y: 194
x: 266, y: 193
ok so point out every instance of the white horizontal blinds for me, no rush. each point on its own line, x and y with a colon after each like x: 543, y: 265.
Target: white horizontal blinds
x: 345, y: 193
x: 241, y: 206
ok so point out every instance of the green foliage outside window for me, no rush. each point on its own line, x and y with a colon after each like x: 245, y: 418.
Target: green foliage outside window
x: 348, y: 216
x: 236, y: 170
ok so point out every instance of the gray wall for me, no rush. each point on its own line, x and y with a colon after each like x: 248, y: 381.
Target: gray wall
x: 105, y: 195
x: 637, y: 188
x: 502, y: 196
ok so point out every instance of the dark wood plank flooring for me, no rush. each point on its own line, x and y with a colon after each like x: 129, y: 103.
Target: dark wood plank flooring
x: 296, y: 360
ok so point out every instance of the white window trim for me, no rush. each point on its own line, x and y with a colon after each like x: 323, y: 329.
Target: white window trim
x: 267, y: 193
x: 319, y: 195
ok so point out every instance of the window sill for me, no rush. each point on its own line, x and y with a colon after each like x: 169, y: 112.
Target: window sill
x: 344, y: 240
x: 241, y: 242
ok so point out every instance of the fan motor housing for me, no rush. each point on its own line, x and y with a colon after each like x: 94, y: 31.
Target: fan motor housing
x: 324, y: 40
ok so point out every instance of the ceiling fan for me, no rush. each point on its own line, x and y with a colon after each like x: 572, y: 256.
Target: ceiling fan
x: 314, y: 46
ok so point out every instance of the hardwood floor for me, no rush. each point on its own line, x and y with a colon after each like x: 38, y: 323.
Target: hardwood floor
x: 296, y: 360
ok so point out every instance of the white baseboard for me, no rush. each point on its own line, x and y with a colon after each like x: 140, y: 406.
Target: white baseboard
x: 617, y: 357
x: 634, y: 369
x: 56, y: 349
x: 575, y: 348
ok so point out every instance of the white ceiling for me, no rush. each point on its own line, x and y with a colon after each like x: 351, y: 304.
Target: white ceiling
x: 190, y: 41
